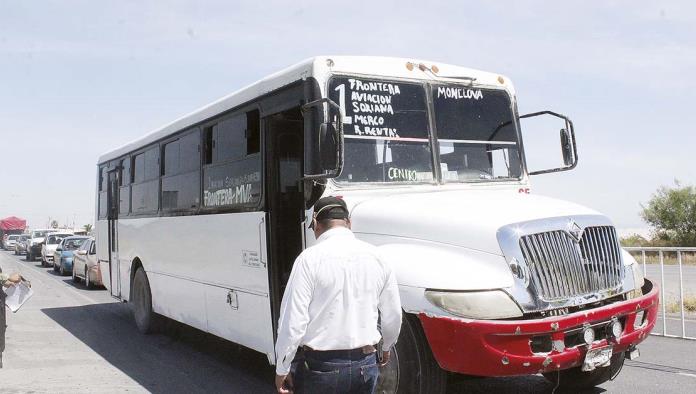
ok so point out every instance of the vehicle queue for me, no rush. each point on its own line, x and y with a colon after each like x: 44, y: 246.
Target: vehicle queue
x: 66, y: 251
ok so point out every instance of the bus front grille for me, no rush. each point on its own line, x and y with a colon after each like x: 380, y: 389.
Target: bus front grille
x: 562, y: 266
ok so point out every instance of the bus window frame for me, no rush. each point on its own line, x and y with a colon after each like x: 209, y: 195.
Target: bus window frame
x: 209, y: 123
x: 278, y: 100
x: 102, y: 173
x: 512, y: 103
x: 122, y: 185
x: 163, y: 143
x: 433, y: 137
x: 431, y: 141
x: 133, y: 155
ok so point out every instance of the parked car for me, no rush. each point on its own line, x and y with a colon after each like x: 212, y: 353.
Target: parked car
x: 64, y: 253
x: 85, y: 265
x: 9, y: 243
x: 21, y: 245
x: 34, y: 241
x: 50, y: 245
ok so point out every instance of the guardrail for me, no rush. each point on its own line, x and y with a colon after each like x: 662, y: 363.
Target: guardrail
x: 660, y: 253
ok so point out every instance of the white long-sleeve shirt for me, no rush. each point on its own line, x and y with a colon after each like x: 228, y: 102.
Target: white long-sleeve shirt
x: 333, y: 296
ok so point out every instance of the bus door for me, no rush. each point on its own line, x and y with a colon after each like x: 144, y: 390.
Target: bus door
x: 112, y: 224
x: 285, y: 198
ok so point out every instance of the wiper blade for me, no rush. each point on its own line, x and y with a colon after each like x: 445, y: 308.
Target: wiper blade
x: 465, y: 78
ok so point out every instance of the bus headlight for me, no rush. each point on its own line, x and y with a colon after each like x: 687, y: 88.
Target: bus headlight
x: 638, y: 279
x: 493, y: 304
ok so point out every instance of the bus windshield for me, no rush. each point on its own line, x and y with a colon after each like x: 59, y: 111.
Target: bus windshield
x: 387, y: 137
x: 386, y: 130
x: 475, y: 133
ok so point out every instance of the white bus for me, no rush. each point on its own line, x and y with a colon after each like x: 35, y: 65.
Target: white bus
x: 200, y: 221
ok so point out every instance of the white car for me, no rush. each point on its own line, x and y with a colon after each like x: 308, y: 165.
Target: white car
x: 49, y: 247
x: 11, y: 241
x: 34, y: 241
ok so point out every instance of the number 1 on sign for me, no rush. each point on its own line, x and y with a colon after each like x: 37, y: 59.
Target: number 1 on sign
x: 341, y: 89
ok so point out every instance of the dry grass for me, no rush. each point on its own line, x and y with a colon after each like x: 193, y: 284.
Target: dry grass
x: 672, y: 306
x: 670, y: 258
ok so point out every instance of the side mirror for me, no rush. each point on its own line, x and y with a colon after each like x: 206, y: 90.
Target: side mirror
x: 81, y: 252
x: 549, y: 121
x: 566, y: 147
x: 328, y: 146
x: 329, y: 141
x: 59, y: 249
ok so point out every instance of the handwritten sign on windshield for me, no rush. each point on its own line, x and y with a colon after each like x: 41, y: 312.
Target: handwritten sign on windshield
x: 377, y: 108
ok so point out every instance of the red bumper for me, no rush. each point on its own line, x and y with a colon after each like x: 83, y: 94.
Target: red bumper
x: 503, y: 348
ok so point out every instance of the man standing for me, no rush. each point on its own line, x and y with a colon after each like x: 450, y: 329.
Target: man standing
x: 5, y: 281
x: 337, y: 290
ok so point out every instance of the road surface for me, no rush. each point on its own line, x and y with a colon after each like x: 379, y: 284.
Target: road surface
x: 68, y: 339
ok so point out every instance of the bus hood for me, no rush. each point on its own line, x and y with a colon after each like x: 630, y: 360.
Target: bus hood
x: 465, y: 218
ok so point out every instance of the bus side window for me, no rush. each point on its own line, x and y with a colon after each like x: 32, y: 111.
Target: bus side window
x: 208, y: 145
x: 228, y: 137
x: 145, y: 188
x: 102, y: 192
x: 232, y: 173
x: 253, y: 132
x: 181, y: 163
x: 124, y: 180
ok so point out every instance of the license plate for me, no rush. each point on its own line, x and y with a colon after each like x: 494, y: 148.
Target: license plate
x: 597, y: 358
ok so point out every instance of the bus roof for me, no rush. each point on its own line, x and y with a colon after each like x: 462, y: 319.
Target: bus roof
x: 318, y: 67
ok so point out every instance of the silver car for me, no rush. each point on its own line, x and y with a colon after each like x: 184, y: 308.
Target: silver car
x: 21, y: 245
x: 11, y: 241
x: 84, y: 264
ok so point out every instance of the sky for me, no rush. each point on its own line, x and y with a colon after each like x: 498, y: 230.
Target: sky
x: 79, y: 78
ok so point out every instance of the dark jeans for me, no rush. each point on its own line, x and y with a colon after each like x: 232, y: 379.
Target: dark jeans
x: 336, y: 371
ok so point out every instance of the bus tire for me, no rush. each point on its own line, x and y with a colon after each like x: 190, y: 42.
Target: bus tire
x: 145, y: 318
x: 412, y: 368
x: 575, y: 379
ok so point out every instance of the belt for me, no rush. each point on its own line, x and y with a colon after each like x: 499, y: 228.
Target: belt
x: 348, y: 353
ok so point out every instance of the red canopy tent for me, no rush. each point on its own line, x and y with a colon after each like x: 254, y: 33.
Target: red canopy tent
x: 12, y: 223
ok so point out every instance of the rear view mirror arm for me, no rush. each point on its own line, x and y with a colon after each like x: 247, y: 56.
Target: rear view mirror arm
x: 571, y: 130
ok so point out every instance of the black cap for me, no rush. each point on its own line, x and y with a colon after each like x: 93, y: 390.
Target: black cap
x: 330, y: 208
